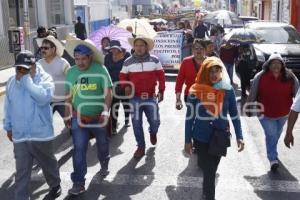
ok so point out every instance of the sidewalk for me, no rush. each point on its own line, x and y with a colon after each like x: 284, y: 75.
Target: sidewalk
x: 5, y: 74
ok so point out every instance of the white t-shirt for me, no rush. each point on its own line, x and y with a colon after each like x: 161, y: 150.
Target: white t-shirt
x: 57, y: 69
x: 296, y: 105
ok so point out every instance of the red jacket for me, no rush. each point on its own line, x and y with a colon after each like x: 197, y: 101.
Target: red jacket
x: 275, y: 95
x: 143, y: 73
x: 186, y: 75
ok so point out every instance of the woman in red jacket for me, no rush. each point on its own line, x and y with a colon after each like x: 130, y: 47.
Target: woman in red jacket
x: 273, y: 88
x: 188, y: 71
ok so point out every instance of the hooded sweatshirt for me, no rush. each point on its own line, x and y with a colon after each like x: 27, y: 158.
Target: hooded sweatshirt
x: 275, y: 94
x: 27, y: 111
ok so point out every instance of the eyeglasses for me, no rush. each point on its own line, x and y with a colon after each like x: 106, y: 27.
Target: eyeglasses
x: 45, y: 48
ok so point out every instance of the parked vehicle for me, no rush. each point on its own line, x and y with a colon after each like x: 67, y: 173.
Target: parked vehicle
x: 277, y: 37
x: 247, y: 19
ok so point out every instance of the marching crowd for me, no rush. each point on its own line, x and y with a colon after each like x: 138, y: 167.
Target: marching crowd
x: 88, y: 94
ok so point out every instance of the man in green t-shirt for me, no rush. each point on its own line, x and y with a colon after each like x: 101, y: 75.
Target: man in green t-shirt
x: 89, y: 91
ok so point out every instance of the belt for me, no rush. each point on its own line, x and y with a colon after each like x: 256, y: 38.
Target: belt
x: 86, y: 119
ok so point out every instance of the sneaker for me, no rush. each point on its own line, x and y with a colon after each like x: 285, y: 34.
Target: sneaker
x: 153, y: 139
x: 76, y: 189
x: 103, y: 172
x: 54, y: 193
x: 140, y: 152
x: 274, y: 165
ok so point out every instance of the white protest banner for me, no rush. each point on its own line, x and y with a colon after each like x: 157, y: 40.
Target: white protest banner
x: 167, y: 48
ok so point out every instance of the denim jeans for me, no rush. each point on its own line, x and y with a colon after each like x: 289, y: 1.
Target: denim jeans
x: 148, y: 106
x: 272, y: 128
x: 229, y: 68
x: 80, y: 136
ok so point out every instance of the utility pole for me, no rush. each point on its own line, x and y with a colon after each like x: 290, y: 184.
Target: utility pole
x: 26, y: 24
x: 18, y: 12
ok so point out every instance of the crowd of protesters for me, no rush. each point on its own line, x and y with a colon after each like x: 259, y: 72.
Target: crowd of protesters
x: 88, y: 94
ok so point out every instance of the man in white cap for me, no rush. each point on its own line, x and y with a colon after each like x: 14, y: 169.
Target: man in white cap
x: 143, y: 71
x: 57, y: 67
x: 89, y: 90
x: 28, y: 122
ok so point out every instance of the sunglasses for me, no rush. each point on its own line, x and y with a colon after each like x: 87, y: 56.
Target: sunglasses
x: 22, y: 69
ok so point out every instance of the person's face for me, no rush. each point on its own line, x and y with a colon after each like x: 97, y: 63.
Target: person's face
x: 83, y: 61
x: 42, y: 34
x: 129, y: 28
x: 198, y: 51
x: 48, y: 50
x: 215, y: 73
x: 115, y: 51
x: 140, y: 48
x: 210, y: 48
x: 275, y: 67
x: 21, y: 71
x: 105, y: 43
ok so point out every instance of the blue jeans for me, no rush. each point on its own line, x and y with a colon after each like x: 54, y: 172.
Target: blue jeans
x: 150, y: 108
x: 272, y: 128
x: 229, y: 68
x: 80, y: 136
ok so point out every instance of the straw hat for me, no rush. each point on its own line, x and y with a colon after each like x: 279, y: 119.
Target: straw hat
x: 59, y: 47
x: 69, y: 36
x: 72, y: 44
x: 148, y: 40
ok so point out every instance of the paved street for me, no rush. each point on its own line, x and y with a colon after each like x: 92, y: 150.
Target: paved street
x: 165, y: 172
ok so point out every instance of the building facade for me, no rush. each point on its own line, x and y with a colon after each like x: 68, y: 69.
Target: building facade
x: 48, y: 13
x: 295, y: 14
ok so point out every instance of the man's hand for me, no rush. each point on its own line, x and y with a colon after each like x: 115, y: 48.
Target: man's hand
x: 241, y: 145
x: 289, y: 139
x: 160, y: 97
x: 9, y: 135
x: 128, y: 91
x: 67, y: 123
x: 33, y: 71
x: 179, y: 105
x: 188, y: 148
x: 103, y: 120
x: 20, y: 72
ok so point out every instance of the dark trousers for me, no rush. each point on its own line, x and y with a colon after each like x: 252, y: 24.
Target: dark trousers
x: 209, y: 165
x: 115, y: 105
x: 245, y: 75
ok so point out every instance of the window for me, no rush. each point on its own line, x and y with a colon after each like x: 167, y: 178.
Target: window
x: 13, y: 15
x: 56, y: 12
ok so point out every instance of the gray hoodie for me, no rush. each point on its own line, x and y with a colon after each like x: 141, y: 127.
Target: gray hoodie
x: 255, y: 82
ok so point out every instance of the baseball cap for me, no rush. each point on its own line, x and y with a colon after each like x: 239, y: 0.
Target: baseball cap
x: 25, y: 59
x: 115, y: 44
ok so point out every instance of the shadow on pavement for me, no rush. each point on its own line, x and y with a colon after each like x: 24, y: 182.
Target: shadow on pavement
x: 123, y: 185
x: 189, y: 184
x: 274, y: 185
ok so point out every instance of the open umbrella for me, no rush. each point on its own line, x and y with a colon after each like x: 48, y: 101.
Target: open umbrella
x: 158, y: 20
x: 139, y: 27
x: 113, y: 33
x: 242, y: 36
x: 223, y: 17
